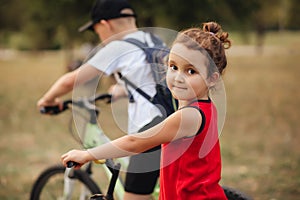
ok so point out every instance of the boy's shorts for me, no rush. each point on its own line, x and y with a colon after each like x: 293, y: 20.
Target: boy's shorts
x: 143, y: 170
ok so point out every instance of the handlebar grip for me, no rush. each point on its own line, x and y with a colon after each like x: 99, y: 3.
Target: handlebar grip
x: 54, y: 110
x: 71, y: 164
x: 108, y: 98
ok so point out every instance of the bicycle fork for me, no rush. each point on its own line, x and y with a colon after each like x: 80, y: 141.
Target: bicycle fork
x: 114, y: 169
x: 69, y: 185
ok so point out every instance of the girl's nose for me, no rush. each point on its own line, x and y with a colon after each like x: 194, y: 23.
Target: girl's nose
x: 179, y: 77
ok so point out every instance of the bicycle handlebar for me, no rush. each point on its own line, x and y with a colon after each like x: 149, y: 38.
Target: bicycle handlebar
x: 71, y: 164
x: 86, y: 103
x: 114, y: 169
x: 108, y: 162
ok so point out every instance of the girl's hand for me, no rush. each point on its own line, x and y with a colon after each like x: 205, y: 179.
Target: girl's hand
x: 79, y: 156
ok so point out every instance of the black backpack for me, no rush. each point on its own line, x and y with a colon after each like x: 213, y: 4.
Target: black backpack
x: 156, y: 56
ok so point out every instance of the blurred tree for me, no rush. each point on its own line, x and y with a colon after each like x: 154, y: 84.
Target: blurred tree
x: 145, y: 17
x: 293, y: 18
x: 8, y: 19
x: 267, y: 15
x: 64, y: 16
x: 45, y: 24
x: 175, y: 14
x: 45, y: 20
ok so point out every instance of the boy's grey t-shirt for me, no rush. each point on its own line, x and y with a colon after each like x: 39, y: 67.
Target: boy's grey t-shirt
x: 119, y: 56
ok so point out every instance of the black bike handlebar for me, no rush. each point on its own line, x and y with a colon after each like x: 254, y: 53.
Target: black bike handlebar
x: 114, y: 169
x: 71, y: 164
x: 83, y: 103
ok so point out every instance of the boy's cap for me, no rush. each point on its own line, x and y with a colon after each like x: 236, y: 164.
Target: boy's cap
x: 106, y: 9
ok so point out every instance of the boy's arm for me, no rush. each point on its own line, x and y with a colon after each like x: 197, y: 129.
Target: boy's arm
x: 65, y: 84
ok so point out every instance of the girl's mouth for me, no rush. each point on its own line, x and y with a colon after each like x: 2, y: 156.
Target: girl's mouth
x: 179, y: 87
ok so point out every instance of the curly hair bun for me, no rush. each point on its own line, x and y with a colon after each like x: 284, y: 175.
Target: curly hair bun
x: 216, y: 29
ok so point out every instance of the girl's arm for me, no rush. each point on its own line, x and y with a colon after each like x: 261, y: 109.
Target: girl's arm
x: 183, y: 123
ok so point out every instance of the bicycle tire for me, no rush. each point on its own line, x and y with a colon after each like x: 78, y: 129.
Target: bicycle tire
x: 234, y: 194
x: 54, y: 176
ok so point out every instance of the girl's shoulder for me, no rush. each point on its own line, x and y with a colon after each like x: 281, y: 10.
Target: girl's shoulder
x: 190, y: 118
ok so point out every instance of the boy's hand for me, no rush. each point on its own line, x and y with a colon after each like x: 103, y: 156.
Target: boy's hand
x: 117, y: 91
x: 44, y: 103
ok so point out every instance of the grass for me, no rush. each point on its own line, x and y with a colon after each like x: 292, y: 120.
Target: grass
x: 260, y: 149
x: 259, y: 140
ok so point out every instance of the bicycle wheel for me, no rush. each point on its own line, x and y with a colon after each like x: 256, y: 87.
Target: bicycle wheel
x: 50, y: 185
x: 233, y: 194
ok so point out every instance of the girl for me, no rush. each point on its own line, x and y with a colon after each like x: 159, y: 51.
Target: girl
x: 191, y: 161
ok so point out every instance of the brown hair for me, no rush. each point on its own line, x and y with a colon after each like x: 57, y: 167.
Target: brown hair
x: 212, y: 39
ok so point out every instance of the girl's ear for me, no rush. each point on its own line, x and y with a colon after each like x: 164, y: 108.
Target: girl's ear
x: 213, y: 79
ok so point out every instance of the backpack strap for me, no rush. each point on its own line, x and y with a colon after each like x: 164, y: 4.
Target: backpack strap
x: 143, y: 46
x: 174, y: 103
x: 147, y: 50
x: 137, y: 43
x: 158, y: 45
x: 139, y: 90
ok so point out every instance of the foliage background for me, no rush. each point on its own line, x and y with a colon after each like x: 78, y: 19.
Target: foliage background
x: 54, y: 24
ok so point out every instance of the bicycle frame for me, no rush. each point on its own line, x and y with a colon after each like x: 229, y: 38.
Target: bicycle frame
x: 95, y: 135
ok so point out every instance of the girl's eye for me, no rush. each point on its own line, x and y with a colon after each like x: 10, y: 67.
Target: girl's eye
x: 173, y: 67
x: 191, y: 71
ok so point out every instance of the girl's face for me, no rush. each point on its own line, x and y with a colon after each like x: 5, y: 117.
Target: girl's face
x: 187, y: 74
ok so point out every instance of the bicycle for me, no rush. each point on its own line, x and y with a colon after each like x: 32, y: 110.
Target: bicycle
x: 58, y: 182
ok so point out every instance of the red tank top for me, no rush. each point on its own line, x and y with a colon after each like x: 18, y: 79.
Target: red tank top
x: 191, y: 166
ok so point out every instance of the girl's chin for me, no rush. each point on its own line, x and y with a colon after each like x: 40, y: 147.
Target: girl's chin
x: 179, y: 90
x: 183, y: 97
